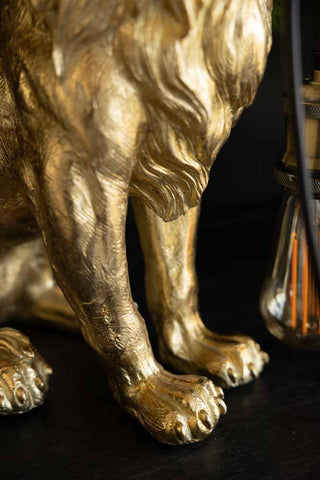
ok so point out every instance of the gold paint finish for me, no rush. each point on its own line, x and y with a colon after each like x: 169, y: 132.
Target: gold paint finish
x: 100, y: 100
x: 185, y: 344
x: 24, y: 375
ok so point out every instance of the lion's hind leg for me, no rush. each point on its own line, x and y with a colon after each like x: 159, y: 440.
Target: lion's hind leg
x: 30, y: 291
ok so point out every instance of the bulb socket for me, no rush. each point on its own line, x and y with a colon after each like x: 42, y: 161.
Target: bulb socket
x: 286, y: 171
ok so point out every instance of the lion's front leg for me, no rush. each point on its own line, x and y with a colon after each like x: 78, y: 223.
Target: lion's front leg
x: 185, y: 344
x: 81, y: 209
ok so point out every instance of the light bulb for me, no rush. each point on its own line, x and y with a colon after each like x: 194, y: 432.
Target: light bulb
x: 290, y: 304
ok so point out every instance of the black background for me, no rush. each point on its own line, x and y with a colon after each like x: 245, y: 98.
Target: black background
x: 271, y: 430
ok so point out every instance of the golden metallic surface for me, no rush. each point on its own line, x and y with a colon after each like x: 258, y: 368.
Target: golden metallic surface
x: 24, y: 375
x: 185, y: 344
x: 100, y: 100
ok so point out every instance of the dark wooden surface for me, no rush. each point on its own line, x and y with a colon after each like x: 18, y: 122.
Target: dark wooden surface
x: 271, y: 430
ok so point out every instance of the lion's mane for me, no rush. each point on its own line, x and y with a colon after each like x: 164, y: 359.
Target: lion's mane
x: 197, y: 64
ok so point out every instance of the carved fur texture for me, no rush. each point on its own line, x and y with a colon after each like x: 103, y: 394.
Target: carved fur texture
x: 194, y: 65
x: 100, y: 100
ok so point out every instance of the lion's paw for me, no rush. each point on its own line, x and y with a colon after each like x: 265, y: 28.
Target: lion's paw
x: 230, y: 360
x: 177, y: 409
x: 24, y: 374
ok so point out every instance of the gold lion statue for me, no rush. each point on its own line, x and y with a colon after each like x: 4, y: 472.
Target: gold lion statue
x: 101, y: 100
